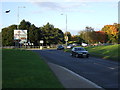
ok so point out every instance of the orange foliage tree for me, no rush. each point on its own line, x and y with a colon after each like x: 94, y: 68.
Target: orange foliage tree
x: 112, y: 32
x: 101, y: 36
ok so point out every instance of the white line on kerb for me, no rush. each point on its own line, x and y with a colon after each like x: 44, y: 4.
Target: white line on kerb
x: 81, y: 77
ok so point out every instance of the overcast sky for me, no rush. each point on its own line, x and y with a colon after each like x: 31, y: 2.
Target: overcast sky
x: 80, y: 13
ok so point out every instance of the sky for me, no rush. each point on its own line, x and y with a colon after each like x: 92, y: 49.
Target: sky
x: 80, y: 13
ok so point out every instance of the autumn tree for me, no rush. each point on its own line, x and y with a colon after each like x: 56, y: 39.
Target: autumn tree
x: 112, y: 32
x: 74, y: 38
x: 77, y: 39
x: 101, y: 36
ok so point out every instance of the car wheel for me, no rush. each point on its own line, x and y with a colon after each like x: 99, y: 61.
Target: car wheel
x: 71, y: 54
x: 76, y: 55
x: 87, y: 56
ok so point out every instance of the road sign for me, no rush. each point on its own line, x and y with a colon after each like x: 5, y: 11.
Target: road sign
x: 20, y: 35
x: 41, y: 41
x: 66, y: 38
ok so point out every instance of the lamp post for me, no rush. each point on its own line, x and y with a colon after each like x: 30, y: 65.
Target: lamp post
x: 19, y: 15
x: 66, y: 37
x: 18, y: 20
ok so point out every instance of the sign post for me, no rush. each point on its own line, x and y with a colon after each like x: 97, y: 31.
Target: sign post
x: 66, y: 39
x: 41, y: 42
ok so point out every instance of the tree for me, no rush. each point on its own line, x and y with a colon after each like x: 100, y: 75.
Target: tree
x: 58, y: 36
x: 48, y: 33
x: 34, y: 34
x: 69, y: 35
x: 24, y: 25
x: 101, y: 36
x: 88, y: 35
x: 112, y: 32
x: 8, y: 35
x: 76, y: 39
x: 52, y: 35
x: 0, y: 39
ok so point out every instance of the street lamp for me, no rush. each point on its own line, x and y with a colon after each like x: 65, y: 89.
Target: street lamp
x: 19, y: 16
x: 18, y: 20
x: 66, y: 37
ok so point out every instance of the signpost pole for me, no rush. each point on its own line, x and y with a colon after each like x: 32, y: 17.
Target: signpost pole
x: 41, y: 42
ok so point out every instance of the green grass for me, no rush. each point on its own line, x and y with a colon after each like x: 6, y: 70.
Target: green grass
x: 25, y: 69
x: 106, y: 52
x: 67, y: 50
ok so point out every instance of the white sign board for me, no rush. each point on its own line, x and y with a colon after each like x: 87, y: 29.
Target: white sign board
x: 20, y: 35
x: 41, y: 41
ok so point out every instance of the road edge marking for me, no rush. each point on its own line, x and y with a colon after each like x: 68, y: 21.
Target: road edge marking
x: 90, y: 82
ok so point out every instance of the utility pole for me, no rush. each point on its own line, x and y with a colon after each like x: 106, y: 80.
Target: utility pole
x: 19, y: 15
x: 18, y: 21
x: 66, y: 37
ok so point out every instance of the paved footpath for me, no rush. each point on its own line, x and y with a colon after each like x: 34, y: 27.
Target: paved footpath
x: 70, y: 79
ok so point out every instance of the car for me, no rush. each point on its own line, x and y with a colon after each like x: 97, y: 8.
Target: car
x: 60, y: 47
x: 79, y: 52
x: 70, y: 46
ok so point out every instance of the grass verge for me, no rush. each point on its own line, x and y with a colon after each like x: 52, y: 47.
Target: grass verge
x: 106, y: 52
x: 110, y: 52
x: 25, y: 69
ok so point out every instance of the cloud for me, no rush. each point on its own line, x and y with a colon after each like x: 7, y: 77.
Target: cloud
x: 13, y: 0
x: 74, y: 0
x: 92, y: 0
x: 49, y: 5
x: 59, y: 0
x: 66, y: 6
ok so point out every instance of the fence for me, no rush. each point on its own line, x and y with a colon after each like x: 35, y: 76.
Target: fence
x: 37, y: 47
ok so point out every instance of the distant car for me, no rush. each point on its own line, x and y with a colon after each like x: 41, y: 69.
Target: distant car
x: 70, y: 46
x: 84, y: 44
x: 60, y: 47
x: 79, y: 52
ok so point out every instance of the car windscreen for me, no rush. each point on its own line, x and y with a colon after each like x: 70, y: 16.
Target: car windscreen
x: 80, y: 49
x: 60, y: 46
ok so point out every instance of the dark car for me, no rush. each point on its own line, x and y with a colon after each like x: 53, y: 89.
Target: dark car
x: 79, y: 52
x: 60, y: 47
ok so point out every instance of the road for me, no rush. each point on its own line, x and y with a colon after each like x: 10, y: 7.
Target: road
x: 102, y: 72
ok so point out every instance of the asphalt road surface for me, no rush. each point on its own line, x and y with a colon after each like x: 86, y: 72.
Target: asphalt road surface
x: 102, y: 72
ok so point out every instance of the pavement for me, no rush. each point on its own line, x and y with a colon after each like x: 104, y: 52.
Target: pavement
x: 70, y: 79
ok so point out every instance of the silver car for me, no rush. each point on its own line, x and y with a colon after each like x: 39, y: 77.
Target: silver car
x: 79, y: 52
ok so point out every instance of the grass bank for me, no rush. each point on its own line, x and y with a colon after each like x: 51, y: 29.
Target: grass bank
x: 105, y: 52
x: 25, y: 69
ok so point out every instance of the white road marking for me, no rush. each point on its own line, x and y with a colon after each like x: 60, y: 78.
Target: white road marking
x: 81, y: 77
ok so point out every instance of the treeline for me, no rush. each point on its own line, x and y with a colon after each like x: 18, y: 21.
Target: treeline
x: 51, y: 35
x: 108, y: 34
x: 48, y: 33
